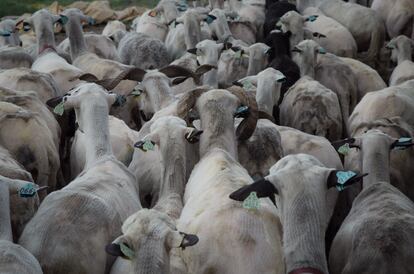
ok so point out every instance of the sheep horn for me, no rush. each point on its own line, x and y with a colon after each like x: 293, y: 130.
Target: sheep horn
x: 135, y: 74
x: 188, y: 100
x: 248, y: 125
x: 173, y: 71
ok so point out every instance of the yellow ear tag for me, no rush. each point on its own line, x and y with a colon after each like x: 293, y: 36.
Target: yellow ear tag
x: 152, y: 13
x: 252, y: 201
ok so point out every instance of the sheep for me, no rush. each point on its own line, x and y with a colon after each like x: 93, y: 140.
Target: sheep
x: 390, y: 102
x: 220, y: 29
x: 305, y: 188
x: 251, y: 17
x: 19, y: 127
x: 8, y: 33
x: 274, y: 11
x: 113, y: 26
x: 48, y: 60
x: 243, y: 29
x: 21, y: 210
x: 357, y: 248
x: 207, y: 211
x: 397, y: 16
x: 312, y: 108
x: 93, y: 205
x: 14, y: 258
x: 280, y: 59
x: 101, y: 45
x: 331, y: 72
x: 331, y: 35
x: 231, y: 66
x: 401, y: 48
x: 143, y: 51
x: 122, y: 140
x: 30, y: 80
x: 172, y: 136
x: 187, y: 32
x: 258, y: 57
x: 368, y: 78
x: 364, y: 24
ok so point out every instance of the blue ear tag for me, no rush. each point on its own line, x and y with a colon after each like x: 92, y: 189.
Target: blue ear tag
x: 120, y: 100
x: 91, y: 21
x: 252, y: 201
x: 27, y: 191
x: 63, y: 19
x: 5, y: 33
x: 322, y: 50
x: 242, y: 112
x: 209, y: 19
x: 400, y: 145
x: 312, y: 18
x: 343, y: 177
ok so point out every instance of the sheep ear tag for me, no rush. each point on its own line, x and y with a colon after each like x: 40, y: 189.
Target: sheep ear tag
x: 238, y: 54
x: 128, y: 252
x: 119, y: 101
x: 27, y: 191
x: 402, y: 143
x: 63, y: 19
x: 5, y: 33
x: 311, y: 18
x: 59, y: 109
x: 152, y: 13
x: 344, y: 179
x: 148, y: 145
x: 136, y: 92
x: 344, y: 149
x: 210, y: 19
x: 252, y: 201
x: 247, y: 85
x: 242, y: 112
x: 322, y: 50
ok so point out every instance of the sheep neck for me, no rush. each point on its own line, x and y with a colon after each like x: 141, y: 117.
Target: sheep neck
x: 307, y: 69
x: 404, y: 54
x: 218, y: 129
x: 375, y: 162
x: 45, y: 37
x: 94, y: 123
x: 5, y: 222
x: 304, y: 234
x: 211, y: 78
x: 192, y: 31
x: 76, y: 38
x: 267, y: 96
x: 173, y: 178
x: 255, y: 66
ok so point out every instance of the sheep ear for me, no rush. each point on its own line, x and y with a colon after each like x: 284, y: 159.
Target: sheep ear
x: 113, y: 249
x: 318, y: 35
x: 89, y: 77
x: 193, y: 135
x: 179, y: 80
x: 192, y: 51
x: 188, y: 240
x: 340, y: 143
x: 54, y: 101
x: 175, y: 71
x: 262, y: 187
x: 402, y: 143
x: 343, y: 179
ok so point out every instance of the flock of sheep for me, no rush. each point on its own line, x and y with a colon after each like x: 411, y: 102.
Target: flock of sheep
x: 229, y: 137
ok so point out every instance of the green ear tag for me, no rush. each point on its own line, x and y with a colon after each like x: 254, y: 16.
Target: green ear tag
x: 343, y: 177
x: 128, y: 252
x: 148, y: 145
x: 27, y: 191
x: 252, y: 201
x: 63, y: 19
x: 238, y: 54
x: 344, y: 149
x: 136, y: 92
x: 59, y: 109
x: 247, y: 85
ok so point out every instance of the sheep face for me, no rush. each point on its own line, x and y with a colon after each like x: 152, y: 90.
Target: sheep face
x: 170, y: 131
x: 208, y: 52
x: 306, y: 56
x: 399, y: 44
x: 147, y: 238
x: 42, y: 20
x: 258, y: 58
x: 291, y: 22
x: 155, y: 89
x: 9, y: 34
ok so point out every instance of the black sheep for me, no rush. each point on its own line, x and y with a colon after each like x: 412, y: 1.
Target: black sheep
x: 280, y: 59
x: 274, y: 10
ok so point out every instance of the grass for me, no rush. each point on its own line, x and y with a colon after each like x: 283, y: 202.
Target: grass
x: 18, y: 7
